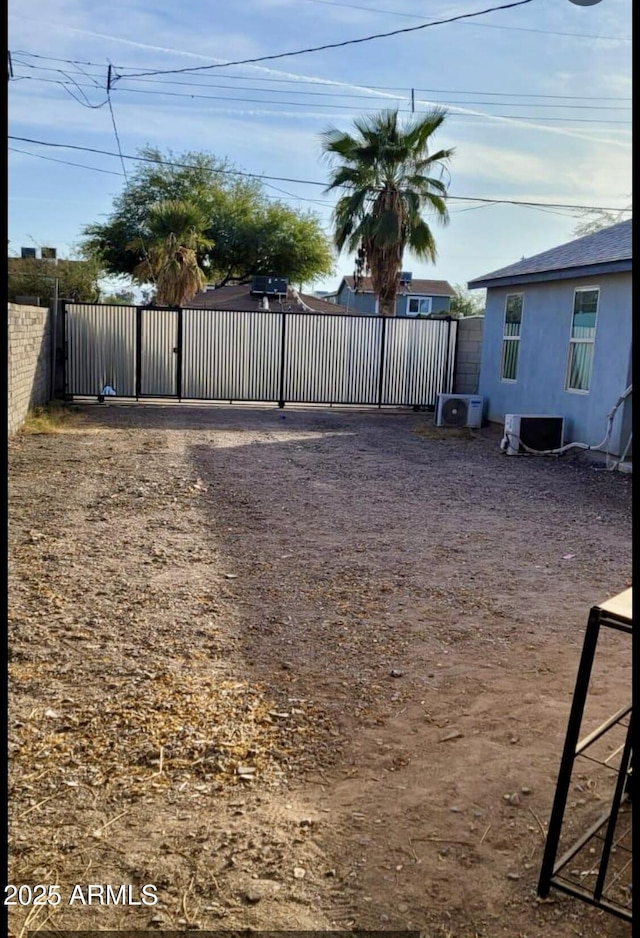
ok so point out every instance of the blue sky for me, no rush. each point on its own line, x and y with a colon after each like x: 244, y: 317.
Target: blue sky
x: 538, y: 99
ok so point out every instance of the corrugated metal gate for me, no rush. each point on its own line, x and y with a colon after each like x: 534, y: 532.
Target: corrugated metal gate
x: 224, y: 355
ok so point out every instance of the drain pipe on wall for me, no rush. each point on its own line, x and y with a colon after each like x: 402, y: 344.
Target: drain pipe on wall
x: 510, y: 439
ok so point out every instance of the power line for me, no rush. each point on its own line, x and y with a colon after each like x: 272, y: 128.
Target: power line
x: 52, y: 159
x: 112, y: 172
x: 126, y: 178
x: 115, y: 131
x: 51, y: 58
x: 415, y: 16
x: 407, y: 110
x: 333, y: 45
x: 299, y: 198
x: 306, y: 182
x: 57, y: 81
x: 351, y: 107
x: 407, y: 91
x: 585, y: 107
x: 324, y: 82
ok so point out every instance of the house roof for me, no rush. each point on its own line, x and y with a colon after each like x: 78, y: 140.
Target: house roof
x: 239, y: 297
x: 419, y: 287
x: 604, y: 251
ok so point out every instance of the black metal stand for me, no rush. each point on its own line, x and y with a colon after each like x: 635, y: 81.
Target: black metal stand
x: 597, y: 867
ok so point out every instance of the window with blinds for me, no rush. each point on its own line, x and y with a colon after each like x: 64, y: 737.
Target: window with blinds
x: 511, y: 336
x: 583, y: 333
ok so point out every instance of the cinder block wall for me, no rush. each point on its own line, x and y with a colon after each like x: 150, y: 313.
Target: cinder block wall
x: 468, y: 354
x: 29, y: 361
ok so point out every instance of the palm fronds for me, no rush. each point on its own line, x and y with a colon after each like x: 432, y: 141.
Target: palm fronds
x: 389, y: 180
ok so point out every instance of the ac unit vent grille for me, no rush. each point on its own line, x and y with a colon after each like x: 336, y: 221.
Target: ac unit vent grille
x: 537, y: 432
x: 459, y: 410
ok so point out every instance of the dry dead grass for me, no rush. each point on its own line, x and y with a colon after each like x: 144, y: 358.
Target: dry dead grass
x: 55, y: 417
x: 430, y: 431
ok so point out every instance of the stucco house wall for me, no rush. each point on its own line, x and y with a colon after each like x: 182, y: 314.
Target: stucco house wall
x: 540, y: 385
x: 539, y: 322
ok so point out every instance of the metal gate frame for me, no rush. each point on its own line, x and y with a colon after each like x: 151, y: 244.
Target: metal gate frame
x: 85, y: 368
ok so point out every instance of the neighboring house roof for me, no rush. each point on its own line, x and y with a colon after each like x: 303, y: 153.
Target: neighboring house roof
x: 604, y: 251
x: 239, y: 297
x: 419, y: 287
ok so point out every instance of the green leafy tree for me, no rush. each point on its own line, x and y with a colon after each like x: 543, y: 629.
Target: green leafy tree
x: 464, y: 303
x: 170, y: 251
x: 389, y: 180
x: 243, y: 232
x: 76, y: 279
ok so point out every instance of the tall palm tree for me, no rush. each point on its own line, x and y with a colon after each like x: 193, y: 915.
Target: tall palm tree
x: 389, y: 179
x: 173, y: 236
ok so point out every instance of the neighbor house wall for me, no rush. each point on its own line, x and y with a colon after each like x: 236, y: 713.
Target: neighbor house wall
x: 365, y: 303
x: 357, y: 302
x: 468, y: 355
x: 539, y: 387
x: 30, y: 352
x: 439, y: 304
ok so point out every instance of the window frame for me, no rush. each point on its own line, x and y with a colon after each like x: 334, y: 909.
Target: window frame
x: 573, y: 341
x: 418, y: 296
x: 510, y: 338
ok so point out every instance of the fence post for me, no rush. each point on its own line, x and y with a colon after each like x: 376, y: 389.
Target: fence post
x: 383, y: 338
x: 179, y: 352
x: 138, y: 351
x: 53, y: 334
x: 65, y: 352
x: 449, y: 370
x: 281, y: 400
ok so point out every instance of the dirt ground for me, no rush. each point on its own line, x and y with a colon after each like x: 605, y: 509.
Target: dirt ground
x: 302, y: 669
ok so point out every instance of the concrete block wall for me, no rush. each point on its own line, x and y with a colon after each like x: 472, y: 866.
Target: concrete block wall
x: 30, y: 337
x: 468, y: 355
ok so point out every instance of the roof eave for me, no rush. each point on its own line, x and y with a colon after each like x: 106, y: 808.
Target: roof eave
x: 566, y: 273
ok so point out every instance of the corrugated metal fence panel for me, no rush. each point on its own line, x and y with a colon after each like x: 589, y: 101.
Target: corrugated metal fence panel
x: 158, y: 357
x: 332, y: 359
x: 231, y: 355
x: 415, y: 365
x: 237, y: 355
x: 101, y: 348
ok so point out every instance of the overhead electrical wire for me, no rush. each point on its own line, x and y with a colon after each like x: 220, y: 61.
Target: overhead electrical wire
x: 332, y: 45
x: 416, y: 16
x: 113, y: 172
x: 325, y: 82
x: 351, y: 107
x: 365, y: 97
x: 292, y: 195
x: 307, y: 182
x: 334, y: 94
x: 547, y: 124
x: 117, y: 136
x: 53, y: 159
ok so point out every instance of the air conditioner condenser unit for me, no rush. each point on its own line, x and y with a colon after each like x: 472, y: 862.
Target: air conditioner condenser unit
x: 539, y: 432
x: 459, y: 410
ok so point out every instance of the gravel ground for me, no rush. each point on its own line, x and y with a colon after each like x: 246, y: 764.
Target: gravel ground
x: 300, y: 669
